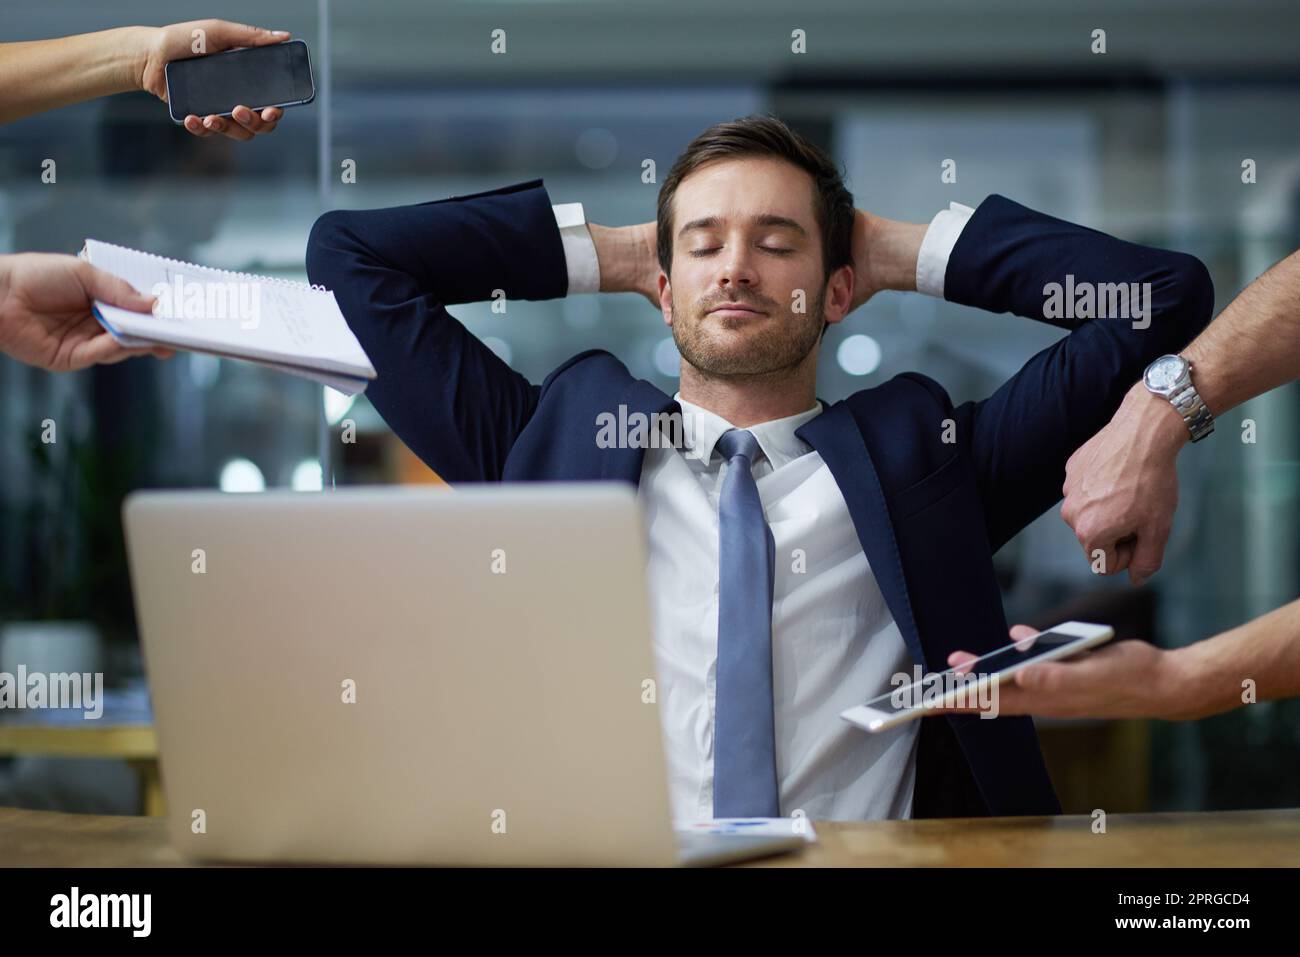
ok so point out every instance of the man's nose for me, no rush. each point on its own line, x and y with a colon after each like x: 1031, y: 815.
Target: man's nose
x: 738, y: 270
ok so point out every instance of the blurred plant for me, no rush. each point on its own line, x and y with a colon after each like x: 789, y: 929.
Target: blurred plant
x: 70, y: 530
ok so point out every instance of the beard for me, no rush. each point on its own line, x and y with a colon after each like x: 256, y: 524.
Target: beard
x: 784, y: 340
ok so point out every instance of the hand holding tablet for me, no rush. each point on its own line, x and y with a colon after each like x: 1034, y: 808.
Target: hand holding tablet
x: 972, y: 684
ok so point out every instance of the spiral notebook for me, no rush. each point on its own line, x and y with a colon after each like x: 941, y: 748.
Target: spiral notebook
x: 288, y: 326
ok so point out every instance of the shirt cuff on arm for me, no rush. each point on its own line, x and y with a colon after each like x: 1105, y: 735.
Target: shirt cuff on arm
x: 579, y: 250
x: 936, y: 247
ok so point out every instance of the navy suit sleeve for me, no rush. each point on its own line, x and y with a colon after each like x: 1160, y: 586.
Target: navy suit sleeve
x: 1022, y: 435
x: 394, y: 271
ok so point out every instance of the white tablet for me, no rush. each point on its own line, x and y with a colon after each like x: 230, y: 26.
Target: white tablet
x: 975, y: 683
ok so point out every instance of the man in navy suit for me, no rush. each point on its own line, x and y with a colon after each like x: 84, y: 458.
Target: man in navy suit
x: 881, y: 512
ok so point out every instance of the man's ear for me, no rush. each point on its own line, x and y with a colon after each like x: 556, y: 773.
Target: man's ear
x: 839, y: 295
x: 666, y: 298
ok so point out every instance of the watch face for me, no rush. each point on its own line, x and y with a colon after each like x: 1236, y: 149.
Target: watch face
x: 1164, y: 372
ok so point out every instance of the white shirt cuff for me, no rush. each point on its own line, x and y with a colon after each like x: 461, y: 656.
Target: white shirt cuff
x: 579, y: 250
x: 936, y: 247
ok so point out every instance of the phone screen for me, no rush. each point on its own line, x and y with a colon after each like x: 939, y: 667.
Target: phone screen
x: 256, y: 77
x: 891, y: 702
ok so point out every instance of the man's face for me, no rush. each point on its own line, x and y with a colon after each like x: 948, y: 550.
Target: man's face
x: 747, y: 292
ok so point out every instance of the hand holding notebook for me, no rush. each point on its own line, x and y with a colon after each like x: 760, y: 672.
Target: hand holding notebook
x: 288, y: 326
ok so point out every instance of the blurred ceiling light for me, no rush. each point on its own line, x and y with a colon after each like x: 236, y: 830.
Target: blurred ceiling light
x: 667, y: 360
x: 241, y: 475
x: 203, y: 369
x: 858, y: 355
x: 307, y: 476
x: 596, y: 148
x: 336, y: 405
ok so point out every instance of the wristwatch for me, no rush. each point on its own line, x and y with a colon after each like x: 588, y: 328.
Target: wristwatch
x: 1171, y: 376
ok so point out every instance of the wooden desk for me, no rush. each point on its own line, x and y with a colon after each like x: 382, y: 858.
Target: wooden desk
x: 1216, y: 839
x: 136, y: 743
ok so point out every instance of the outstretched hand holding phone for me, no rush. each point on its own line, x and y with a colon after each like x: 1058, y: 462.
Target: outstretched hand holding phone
x: 181, y: 41
x: 90, y: 65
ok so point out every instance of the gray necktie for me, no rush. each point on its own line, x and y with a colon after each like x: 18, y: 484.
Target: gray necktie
x: 744, y: 748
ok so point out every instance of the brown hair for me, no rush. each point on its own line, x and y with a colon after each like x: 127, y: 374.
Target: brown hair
x: 766, y: 136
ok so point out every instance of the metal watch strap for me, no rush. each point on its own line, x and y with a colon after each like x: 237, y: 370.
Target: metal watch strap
x: 1188, y: 402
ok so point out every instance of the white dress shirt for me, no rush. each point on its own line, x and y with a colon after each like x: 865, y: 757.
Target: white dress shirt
x: 834, y: 642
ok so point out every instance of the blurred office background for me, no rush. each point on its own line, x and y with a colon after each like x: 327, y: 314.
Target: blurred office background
x: 1146, y: 141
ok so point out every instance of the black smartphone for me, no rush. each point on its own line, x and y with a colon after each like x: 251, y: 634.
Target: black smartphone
x: 278, y: 74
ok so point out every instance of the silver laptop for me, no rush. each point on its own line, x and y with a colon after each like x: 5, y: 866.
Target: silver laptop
x: 408, y: 676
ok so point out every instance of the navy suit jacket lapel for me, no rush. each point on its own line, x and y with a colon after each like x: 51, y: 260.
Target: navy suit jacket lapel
x: 836, y: 437
x: 623, y: 463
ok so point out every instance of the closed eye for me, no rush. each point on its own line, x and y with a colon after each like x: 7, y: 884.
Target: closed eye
x: 775, y: 250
